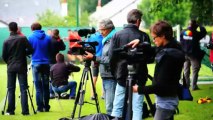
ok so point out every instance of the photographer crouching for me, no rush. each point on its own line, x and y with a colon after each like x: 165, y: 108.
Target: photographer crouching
x: 59, y: 74
x: 107, y: 29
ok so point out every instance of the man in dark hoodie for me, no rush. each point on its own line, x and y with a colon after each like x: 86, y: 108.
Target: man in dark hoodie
x: 190, y: 41
x: 169, y: 62
x: 15, y: 50
x: 41, y: 44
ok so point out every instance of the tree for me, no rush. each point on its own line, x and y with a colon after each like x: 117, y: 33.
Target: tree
x: 199, y: 9
x: 175, y: 14
x: 49, y: 18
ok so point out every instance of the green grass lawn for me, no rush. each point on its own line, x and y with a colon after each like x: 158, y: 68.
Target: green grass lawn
x: 63, y: 108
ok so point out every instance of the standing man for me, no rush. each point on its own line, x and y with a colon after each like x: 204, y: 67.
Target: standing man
x: 41, y: 44
x: 15, y: 50
x: 107, y: 29
x: 118, y: 65
x: 57, y: 45
x: 95, y: 64
x: 190, y: 41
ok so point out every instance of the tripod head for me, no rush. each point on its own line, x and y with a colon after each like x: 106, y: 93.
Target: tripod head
x: 87, y: 63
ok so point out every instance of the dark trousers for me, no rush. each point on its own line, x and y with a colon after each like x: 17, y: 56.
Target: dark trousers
x: 41, y: 81
x: 11, y: 85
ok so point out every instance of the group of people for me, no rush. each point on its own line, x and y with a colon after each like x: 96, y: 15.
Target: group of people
x: 112, y: 66
x: 49, y: 69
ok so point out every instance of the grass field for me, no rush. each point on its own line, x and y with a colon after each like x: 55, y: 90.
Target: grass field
x: 63, y: 108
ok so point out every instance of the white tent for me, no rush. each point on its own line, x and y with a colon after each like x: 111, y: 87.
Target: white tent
x: 116, y: 10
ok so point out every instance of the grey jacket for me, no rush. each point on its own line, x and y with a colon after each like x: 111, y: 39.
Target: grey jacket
x: 104, y: 62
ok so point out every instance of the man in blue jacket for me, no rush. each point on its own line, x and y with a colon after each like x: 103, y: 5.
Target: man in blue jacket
x: 41, y: 44
x: 95, y: 64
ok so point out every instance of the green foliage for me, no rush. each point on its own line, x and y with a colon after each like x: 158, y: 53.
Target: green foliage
x: 177, y: 11
x: 177, y: 14
x: 49, y: 18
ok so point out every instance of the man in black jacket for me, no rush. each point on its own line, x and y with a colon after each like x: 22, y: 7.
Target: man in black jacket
x: 15, y: 50
x: 59, y: 74
x: 190, y: 41
x: 118, y: 65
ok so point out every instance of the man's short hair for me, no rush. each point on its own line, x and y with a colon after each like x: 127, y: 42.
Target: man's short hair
x: 106, y: 24
x: 36, y: 26
x: 13, y: 27
x: 59, y: 57
x: 163, y: 28
x: 134, y: 15
x: 55, y: 32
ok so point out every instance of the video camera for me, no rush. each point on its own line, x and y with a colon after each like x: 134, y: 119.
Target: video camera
x: 142, y: 53
x: 85, y: 32
x: 85, y: 46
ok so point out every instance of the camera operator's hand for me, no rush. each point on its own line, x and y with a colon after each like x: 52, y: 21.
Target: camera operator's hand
x: 88, y: 56
x: 133, y: 43
x: 135, y: 88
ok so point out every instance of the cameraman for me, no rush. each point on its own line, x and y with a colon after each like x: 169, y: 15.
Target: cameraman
x: 107, y: 29
x: 169, y: 63
x: 15, y: 50
x: 59, y: 74
x: 95, y: 64
x: 119, y: 69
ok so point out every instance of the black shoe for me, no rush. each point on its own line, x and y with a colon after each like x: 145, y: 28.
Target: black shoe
x: 47, y: 109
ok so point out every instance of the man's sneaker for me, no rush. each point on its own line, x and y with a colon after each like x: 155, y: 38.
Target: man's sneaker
x: 25, y: 114
x: 72, y: 98
x: 92, y: 98
x: 7, y: 113
x: 40, y: 110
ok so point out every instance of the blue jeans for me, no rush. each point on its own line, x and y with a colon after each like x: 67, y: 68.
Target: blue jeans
x: 41, y: 81
x: 118, y: 104
x: 164, y: 114
x: 109, y: 86
x: 11, y: 85
x: 70, y: 86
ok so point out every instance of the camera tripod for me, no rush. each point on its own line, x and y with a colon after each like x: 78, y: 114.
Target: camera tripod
x: 86, y: 75
x: 128, y: 95
x: 28, y: 93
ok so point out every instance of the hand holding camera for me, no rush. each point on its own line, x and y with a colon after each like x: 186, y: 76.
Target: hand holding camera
x: 88, y: 56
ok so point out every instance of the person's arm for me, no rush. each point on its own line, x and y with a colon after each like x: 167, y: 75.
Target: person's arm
x: 90, y: 56
x: 73, y: 68
x: 4, y: 52
x: 202, y: 32
x: 29, y: 49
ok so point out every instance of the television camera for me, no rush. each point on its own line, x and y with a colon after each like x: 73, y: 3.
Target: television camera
x: 142, y: 53
x: 85, y: 46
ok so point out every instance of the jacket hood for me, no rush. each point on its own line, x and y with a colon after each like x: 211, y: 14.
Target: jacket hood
x: 40, y: 34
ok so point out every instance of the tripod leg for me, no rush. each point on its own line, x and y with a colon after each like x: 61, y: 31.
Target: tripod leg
x: 94, y: 92
x: 150, y: 104
x: 33, y: 89
x: 78, y: 94
x: 5, y: 102
x: 31, y: 100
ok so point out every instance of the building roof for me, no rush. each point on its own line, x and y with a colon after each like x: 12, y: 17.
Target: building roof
x: 116, y: 10
x: 24, y: 12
